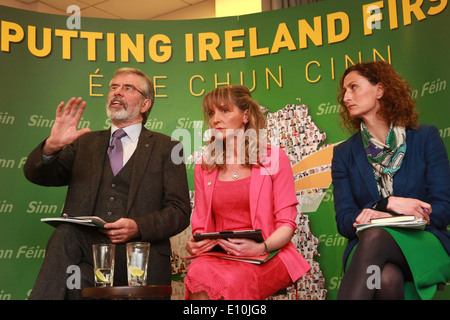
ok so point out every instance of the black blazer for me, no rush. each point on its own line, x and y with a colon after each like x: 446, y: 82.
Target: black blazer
x: 158, y: 197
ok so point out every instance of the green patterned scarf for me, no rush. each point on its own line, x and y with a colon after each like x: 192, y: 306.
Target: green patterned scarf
x: 385, y: 158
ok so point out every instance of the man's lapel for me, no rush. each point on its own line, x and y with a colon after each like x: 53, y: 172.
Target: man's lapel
x: 97, y: 163
x: 142, y: 155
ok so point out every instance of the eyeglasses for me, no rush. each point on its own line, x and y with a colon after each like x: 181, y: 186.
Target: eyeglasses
x: 125, y: 87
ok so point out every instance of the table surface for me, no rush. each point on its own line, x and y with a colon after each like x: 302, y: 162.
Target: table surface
x: 127, y: 292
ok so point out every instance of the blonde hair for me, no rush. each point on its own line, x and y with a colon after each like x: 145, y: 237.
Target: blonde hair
x: 239, y: 96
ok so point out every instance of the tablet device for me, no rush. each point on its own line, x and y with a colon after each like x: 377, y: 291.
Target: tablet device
x: 255, y: 235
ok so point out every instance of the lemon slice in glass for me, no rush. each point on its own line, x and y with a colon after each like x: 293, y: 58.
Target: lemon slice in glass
x: 100, y: 277
x: 136, y: 272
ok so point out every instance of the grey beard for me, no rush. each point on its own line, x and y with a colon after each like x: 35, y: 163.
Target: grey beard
x: 121, y: 116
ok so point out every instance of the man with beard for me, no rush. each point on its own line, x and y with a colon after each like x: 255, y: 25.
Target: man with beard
x: 146, y: 200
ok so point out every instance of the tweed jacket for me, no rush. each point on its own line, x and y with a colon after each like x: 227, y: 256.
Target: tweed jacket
x: 158, y: 197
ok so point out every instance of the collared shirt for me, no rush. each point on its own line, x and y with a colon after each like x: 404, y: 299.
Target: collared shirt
x: 130, y: 141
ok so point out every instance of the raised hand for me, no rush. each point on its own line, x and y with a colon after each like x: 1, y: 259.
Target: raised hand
x: 64, y: 130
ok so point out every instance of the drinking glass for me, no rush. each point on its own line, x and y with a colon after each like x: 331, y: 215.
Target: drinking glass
x: 137, y: 260
x: 103, y: 264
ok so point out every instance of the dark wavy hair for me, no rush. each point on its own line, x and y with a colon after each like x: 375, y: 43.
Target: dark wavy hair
x: 396, y: 105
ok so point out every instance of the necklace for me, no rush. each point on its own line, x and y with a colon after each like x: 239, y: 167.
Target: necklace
x: 235, y: 174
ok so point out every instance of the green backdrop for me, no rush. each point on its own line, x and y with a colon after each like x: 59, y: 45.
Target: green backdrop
x: 291, y: 59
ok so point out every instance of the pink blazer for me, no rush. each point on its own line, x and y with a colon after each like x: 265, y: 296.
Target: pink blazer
x: 272, y: 204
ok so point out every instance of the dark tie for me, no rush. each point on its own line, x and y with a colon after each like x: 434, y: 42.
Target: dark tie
x: 115, y: 151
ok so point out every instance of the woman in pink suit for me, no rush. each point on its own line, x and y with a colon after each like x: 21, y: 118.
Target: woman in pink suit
x: 242, y: 184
